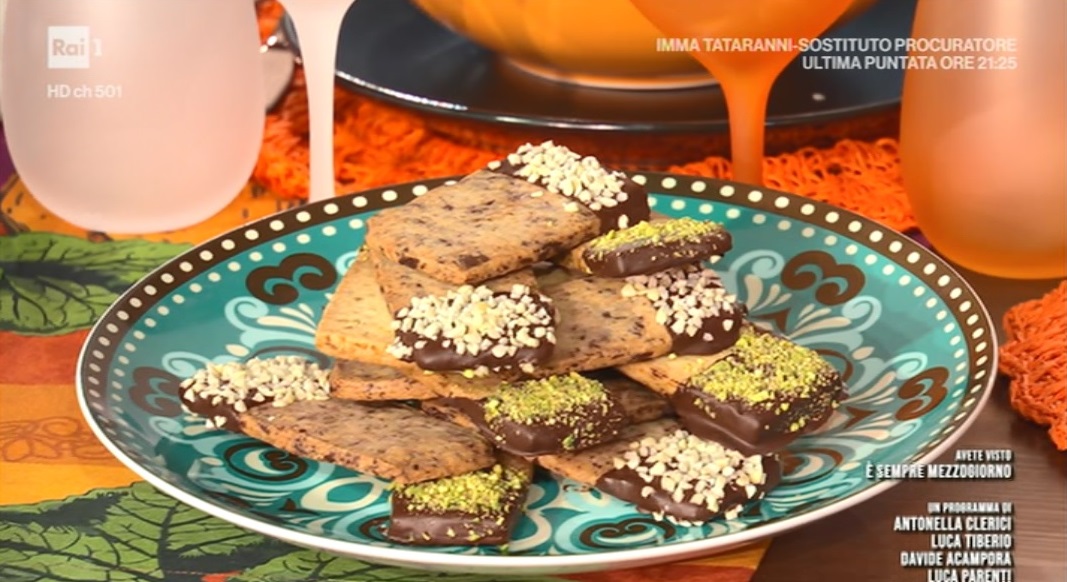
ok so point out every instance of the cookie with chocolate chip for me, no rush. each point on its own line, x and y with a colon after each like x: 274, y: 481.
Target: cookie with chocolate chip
x: 486, y: 225
x: 220, y: 393
x: 400, y: 284
x: 616, y: 200
x: 357, y: 324
x: 762, y: 395
x: 701, y: 316
x: 638, y: 404
x: 597, y: 327
x: 390, y: 441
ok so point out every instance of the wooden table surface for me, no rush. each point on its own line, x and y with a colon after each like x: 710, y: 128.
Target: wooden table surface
x: 859, y: 544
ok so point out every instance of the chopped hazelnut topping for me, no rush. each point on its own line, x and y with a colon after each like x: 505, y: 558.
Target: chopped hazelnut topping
x: 281, y: 380
x: 565, y: 172
x: 685, y: 298
x: 475, y: 321
x: 692, y: 470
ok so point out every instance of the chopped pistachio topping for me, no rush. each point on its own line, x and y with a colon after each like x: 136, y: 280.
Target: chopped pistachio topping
x: 762, y: 369
x: 544, y: 400
x: 680, y: 230
x: 476, y: 493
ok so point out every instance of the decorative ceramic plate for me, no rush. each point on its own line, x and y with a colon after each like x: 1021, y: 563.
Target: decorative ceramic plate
x: 911, y: 338
x: 391, y: 50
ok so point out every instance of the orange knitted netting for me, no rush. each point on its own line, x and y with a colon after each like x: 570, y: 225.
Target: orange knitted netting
x: 1035, y: 356
x: 376, y: 144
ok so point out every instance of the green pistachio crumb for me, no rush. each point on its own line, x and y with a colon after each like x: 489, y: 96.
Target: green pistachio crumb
x: 476, y: 493
x: 568, y: 442
x: 544, y: 400
x: 679, y: 230
x: 762, y: 370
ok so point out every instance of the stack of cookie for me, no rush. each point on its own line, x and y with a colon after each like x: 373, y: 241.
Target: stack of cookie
x: 537, y: 313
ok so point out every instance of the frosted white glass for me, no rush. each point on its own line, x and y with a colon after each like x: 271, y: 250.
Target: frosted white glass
x: 132, y: 116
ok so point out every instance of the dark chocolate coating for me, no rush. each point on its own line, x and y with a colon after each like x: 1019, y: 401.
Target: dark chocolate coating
x: 203, y: 407
x: 695, y: 345
x: 408, y: 526
x: 645, y: 258
x: 626, y: 484
x: 749, y: 429
x: 436, y: 356
x: 635, y: 208
x: 590, y: 426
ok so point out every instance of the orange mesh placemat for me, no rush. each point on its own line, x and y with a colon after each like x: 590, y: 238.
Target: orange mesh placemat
x: 1035, y: 356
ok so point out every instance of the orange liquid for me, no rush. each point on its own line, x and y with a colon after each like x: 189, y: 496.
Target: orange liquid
x: 746, y: 76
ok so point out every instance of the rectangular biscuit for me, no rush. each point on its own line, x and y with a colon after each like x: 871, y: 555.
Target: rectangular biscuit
x: 351, y: 380
x: 484, y: 226
x: 600, y: 328
x: 648, y: 247
x: 480, y: 508
x: 399, y: 284
x: 763, y: 393
x: 572, y: 259
x: 389, y: 441
x: 357, y: 326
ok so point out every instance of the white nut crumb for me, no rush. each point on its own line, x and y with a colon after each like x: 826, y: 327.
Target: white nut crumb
x: 694, y: 471
x: 239, y: 385
x: 688, y: 300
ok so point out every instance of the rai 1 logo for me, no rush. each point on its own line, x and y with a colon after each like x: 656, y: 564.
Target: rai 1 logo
x: 70, y: 47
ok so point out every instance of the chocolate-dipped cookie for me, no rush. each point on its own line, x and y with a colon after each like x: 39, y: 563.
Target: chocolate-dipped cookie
x: 616, y: 200
x: 691, y: 303
x: 649, y: 247
x: 759, y: 397
x: 480, y: 508
x: 221, y: 392
x: 476, y: 328
x: 547, y: 416
x: 666, y: 471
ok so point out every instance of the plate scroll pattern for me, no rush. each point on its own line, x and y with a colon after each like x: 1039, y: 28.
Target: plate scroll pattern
x: 911, y: 338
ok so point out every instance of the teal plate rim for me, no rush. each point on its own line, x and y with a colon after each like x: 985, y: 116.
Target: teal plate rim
x: 101, y: 345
